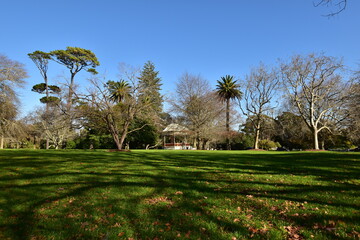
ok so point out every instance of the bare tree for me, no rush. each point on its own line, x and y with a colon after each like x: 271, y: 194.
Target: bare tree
x: 50, y: 123
x: 56, y: 127
x: 12, y: 75
x: 316, y: 90
x: 11, y: 130
x: 259, y: 92
x: 198, y: 105
x: 340, y: 5
x: 352, y: 122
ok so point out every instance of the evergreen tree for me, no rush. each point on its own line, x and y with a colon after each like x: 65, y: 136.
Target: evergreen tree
x: 150, y: 84
x: 75, y: 59
x: 228, y: 89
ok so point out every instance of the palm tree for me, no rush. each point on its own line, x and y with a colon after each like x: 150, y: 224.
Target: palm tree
x: 227, y: 89
x: 119, y: 91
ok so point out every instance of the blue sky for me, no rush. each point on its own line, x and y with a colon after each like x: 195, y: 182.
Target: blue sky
x: 207, y: 37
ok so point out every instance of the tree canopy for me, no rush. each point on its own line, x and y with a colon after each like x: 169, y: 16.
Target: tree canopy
x: 76, y: 59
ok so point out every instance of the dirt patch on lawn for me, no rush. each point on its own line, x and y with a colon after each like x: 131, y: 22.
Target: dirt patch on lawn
x: 117, y: 150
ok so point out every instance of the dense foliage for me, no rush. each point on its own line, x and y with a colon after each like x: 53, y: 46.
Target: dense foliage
x: 304, y: 103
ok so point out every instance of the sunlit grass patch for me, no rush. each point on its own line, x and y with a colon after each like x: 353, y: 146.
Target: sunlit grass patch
x: 179, y: 195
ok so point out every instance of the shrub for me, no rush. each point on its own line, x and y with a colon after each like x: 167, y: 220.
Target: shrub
x: 268, y: 144
x: 70, y: 144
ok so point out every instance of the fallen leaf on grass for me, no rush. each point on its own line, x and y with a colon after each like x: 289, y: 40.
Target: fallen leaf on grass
x: 257, y: 231
x: 116, y: 225
x: 328, y: 227
x: 293, y: 232
x: 83, y: 224
x: 168, y: 227
x: 156, y: 200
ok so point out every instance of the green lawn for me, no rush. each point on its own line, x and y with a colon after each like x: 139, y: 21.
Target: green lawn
x: 179, y: 195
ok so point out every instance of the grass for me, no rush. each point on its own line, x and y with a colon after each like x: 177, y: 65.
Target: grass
x: 179, y: 195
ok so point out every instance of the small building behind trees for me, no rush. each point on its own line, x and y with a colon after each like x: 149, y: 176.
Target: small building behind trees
x: 175, y: 137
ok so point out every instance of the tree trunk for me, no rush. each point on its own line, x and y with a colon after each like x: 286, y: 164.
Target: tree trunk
x: 2, y: 142
x: 113, y: 131
x: 47, y: 107
x: 116, y: 140
x: 69, y: 103
x: 257, y: 136
x: 199, y: 143
x: 34, y: 141
x: 123, y: 135
x: 202, y: 145
x: 228, y: 146
x: 195, y: 143
x: 205, y: 144
x: 316, y: 140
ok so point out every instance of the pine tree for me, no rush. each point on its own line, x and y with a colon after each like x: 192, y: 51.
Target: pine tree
x: 150, y: 85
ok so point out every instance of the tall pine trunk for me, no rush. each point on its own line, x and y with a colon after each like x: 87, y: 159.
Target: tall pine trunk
x: 47, y: 108
x: 69, y: 101
x: 71, y: 92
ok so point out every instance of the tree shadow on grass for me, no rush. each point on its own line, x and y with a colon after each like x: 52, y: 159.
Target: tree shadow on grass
x: 166, y: 195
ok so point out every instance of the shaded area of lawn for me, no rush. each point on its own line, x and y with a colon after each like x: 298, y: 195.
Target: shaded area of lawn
x: 179, y: 195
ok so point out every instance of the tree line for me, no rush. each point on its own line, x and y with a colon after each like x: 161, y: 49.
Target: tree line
x: 304, y: 102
